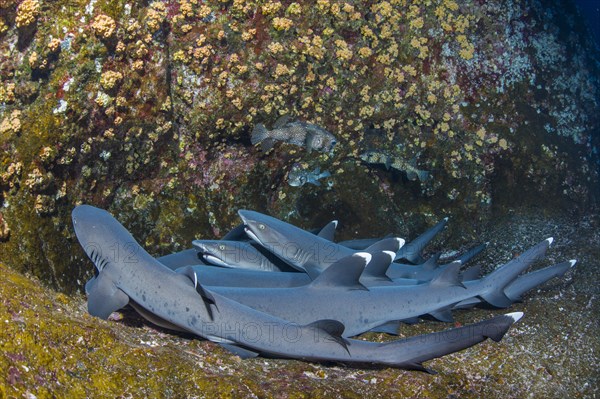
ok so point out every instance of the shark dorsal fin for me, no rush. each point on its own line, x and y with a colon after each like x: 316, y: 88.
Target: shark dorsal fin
x: 432, y: 262
x: 387, y: 244
x: 190, y: 276
x: 104, y: 297
x: 331, y: 330
x: 236, y: 234
x: 344, y: 273
x: 449, y: 276
x: 378, y: 266
x: 328, y: 231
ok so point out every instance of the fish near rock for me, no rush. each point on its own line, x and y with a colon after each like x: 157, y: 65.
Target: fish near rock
x: 303, y: 134
x: 297, y: 176
x: 389, y: 161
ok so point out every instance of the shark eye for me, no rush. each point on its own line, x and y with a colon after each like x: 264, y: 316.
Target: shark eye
x: 221, y: 247
x: 261, y: 226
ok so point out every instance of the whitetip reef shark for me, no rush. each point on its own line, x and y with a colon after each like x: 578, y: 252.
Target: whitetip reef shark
x: 131, y: 276
x: 338, y: 293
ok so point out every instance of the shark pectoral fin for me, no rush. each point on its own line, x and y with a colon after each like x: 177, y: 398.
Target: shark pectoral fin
x: 497, y: 299
x: 328, y: 231
x: 89, y: 285
x: 188, y: 274
x: 104, y: 297
x: 449, y: 276
x: 190, y: 277
x: 431, y: 263
x: 378, y: 266
x: 239, y: 351
x: 390, y: 327
x: 444, y: 314
x: 209, y: 300
x: 332, y: 330
x: 344, y: 273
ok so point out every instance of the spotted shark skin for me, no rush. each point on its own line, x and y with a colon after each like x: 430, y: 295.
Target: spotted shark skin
x: 178, y: 299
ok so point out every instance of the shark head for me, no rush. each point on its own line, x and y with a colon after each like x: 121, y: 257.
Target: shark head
x: 264, y: 229
x: 102, y: 238
x: 220, y: 252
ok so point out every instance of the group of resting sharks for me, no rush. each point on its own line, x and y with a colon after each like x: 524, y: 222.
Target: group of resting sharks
x: 272, y: 289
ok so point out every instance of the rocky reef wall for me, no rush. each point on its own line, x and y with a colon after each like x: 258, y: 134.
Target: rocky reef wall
x: 146, y: 109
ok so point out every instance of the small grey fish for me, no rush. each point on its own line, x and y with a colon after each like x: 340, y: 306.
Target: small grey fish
x: 378, y: 157
x: 303, y: 134
x: 297, y: 176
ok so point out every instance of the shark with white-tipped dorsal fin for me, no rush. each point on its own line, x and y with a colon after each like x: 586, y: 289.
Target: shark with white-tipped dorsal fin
x: 179, y: 300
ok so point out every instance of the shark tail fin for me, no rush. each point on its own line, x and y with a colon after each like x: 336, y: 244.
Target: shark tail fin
x: 259, y: 134
x: 498, y: 280
x: 473, y: 252
x: 536, y: 278
x: 412, y: 251
x: 430, y: 346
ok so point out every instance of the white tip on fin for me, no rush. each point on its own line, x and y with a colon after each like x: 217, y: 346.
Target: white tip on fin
x: 550, y: 240
x: 335, y: 223
x: 195, y: 280
x: 573, y: 262
x: 390, y: 254
x: 401, y: 242
x: 516, y: 316
x: 446, y: 219
x: 365, y: 255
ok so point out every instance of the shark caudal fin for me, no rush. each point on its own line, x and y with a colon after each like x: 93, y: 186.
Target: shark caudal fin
x: 473, y: 252
x: 495, y: 283
x: 259, y: 133
x: 412, y: 251
x: 430, y: 346
x: 529, y: 281
x: 344, y: 273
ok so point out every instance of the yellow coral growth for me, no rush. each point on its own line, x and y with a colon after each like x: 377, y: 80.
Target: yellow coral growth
x: 27, y: 13
x: 104, y: 26
x: 12, y: 123
x: 110, y: 79
x: 282, y: 23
